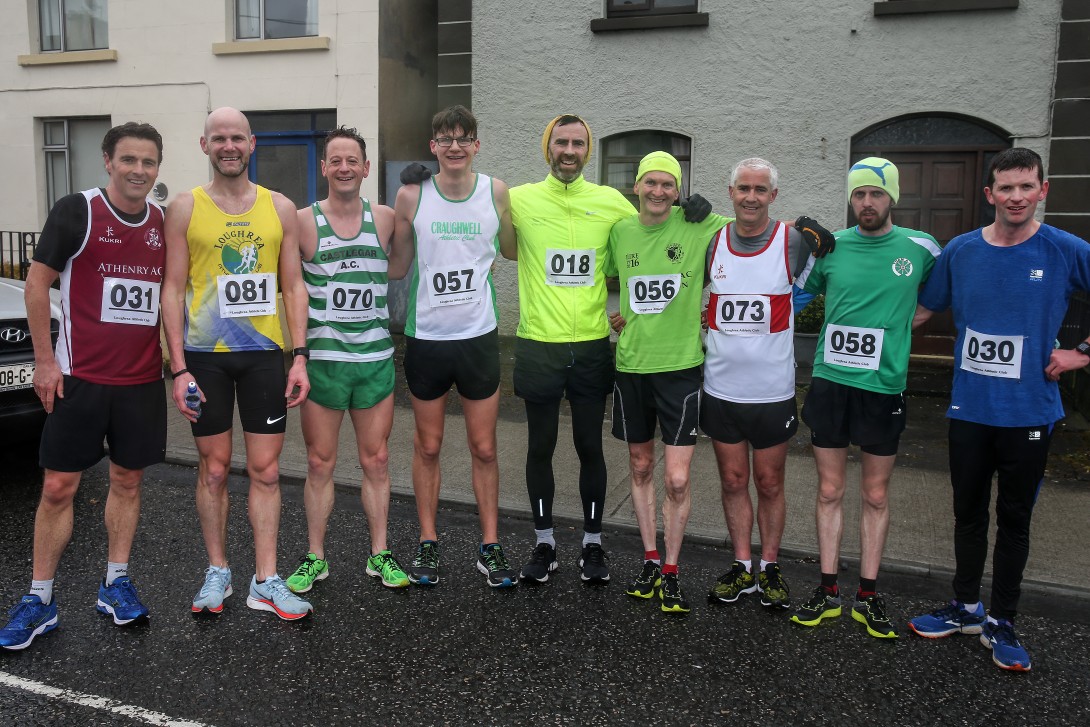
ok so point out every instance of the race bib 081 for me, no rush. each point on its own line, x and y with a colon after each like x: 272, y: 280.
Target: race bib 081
x: 252, y: 294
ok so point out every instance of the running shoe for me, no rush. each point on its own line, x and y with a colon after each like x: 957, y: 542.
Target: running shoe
x: 216, y: 587
x: 730, y: 586
x: 871, y: 612
x: 311, y: 570
x: 673, y: 600
x: 952, y: 618
x: 542, y: 562
x: 493, y: 563
x: 593, y: 562
x: 1007, y: 652
x: 424, y: 570
x: 120, y: 601
x: 821, y: 605
x: 383, y: 565
x: 773, y: 588
x: 647, y: 582
x: 273, y: 595
x: 27, y: 619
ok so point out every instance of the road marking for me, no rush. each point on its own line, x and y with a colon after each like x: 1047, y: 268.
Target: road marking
x: 102, y: 704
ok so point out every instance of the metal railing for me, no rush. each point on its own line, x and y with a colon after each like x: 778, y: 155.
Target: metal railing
x: 16, y: 250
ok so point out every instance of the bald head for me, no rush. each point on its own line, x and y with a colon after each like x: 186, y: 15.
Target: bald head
x: 226, y: 115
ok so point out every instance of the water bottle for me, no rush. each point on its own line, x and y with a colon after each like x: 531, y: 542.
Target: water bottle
x: 193, y: 399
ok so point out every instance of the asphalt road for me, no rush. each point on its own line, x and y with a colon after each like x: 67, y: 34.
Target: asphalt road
x: 461, y: 654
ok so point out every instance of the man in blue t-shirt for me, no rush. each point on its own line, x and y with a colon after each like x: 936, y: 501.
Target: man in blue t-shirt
x: 1005, y: 399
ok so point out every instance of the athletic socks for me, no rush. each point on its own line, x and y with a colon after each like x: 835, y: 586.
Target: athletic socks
x: 115, y: 571
x: 748, y: 564
x: 653, y: 556
x: 545, y: 536
x: 42, y: 589
x: 589, y: 538
x: 669, y: 568
x: 868, y: 587
x: 828, y: 582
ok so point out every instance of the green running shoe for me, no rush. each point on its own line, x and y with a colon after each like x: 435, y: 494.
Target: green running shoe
x: 821, y: 605
x: 732, y: 585
x: 383, y: 565
x: 647, y: 582
x: 311, y: 569
x: 773, y: 588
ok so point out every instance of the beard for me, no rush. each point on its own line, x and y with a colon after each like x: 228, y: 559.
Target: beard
x: 877, y: 223
x: 232, y: 173
x: 565, y: 175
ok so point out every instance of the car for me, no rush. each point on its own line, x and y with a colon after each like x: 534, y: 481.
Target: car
x: 21, y: 412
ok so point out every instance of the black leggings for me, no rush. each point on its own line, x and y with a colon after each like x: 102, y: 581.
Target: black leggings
x: 543, y: 420
x: 1018, y: 455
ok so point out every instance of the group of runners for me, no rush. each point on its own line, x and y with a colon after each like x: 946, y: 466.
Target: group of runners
x: 212, y: 266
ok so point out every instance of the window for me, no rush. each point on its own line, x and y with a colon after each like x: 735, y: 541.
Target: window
x: 68, y: 25
x: 628, y: 8
x: 73, y: 156
x: 289, y: 152
x: 623, y: 152
x: 271, y: 19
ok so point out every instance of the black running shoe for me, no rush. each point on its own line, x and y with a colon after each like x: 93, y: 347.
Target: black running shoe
x: 424, y: 569
x: 647, y: 582
x: 822, y: 605
x: 542, y: 562
x: 871, y: 612
x: 593, y: 562
x: 773, y: 587
x: 673, y: 600
x: 493, y: 563
x: 732, y: 585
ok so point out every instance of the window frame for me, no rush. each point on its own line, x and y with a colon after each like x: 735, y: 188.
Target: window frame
x: 65, y: 151
x: 262, y: 19
x: 62, y: 31
x: 643, y: 8
x: 606, y: 159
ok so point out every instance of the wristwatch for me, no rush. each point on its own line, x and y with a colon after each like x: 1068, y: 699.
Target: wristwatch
x: 1083, y: 348
x: 304, y: 352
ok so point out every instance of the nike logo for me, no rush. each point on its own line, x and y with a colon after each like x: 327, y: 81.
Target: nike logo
x: 270, y: 420
x: 788, y: 425
x: 898, y: 411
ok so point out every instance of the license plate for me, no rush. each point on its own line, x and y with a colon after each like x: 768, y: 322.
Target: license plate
x: 16, y: 376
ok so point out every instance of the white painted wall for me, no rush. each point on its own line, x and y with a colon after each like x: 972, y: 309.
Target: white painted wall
x: 789, y: 81
x: 167, y: 75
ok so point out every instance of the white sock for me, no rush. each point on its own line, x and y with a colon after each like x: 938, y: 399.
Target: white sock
x: 591, y: 538
x: 43, y: 590
x: 765, y: 564
x: 545, y: 536
x: 748, y: 564
x: 115, y: 571
x: 971, y: 607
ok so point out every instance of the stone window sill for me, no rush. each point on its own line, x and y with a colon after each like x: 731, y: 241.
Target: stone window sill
x: 910, y: 7
x: 72, y: 56
x: 646, y: 22
x: 270, y: 46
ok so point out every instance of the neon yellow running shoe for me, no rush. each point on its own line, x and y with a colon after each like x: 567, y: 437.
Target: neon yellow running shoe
x: 383, y: 565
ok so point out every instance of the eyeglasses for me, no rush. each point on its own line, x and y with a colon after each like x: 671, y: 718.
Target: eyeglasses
x: 446, y: 141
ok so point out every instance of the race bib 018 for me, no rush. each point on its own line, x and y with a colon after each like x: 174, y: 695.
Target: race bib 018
x: 569, y: 268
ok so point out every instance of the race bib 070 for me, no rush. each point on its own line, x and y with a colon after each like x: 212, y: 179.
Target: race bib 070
x: 851, y: 347
x: 350, y: 302
x: 999, y: 356
x: 132, y: 302
x: 569, y: 268
x: 252, y: 294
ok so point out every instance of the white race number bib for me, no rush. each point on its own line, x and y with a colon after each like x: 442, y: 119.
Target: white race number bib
x: 999, y: 356
x: 854, y: 348
x: 453, y: 286
x: 648, y: 294
x: 132, y: 302
x: 350, y: 302
x: 743, y: 314
x: 252, y: 294
x: 569, y: 268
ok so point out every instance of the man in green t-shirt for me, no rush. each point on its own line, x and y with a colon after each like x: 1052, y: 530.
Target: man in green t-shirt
x: 860, y: 370
x: 659, y: 259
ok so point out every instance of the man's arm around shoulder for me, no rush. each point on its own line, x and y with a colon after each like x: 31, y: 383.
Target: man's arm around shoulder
x: 403, y: 244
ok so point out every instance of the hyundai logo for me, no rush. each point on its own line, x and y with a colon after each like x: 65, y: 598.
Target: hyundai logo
x: 14, y: 335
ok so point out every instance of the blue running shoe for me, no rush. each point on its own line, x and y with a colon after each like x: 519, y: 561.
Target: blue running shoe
x: 121, y: 602
x: 274, y: 595
x: 216, y: 587
x: 29, y: 618
x: 1007, y: 652
x: 950, y: 619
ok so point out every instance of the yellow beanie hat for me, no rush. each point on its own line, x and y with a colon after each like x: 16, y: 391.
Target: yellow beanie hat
x: 660, y: 161
x: 549, y: 134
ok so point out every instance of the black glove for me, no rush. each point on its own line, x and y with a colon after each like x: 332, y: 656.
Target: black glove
x: 696, y: 208
x: 820, y: 240
x: 415, y: 173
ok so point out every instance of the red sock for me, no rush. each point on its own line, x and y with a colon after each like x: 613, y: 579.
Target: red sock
x: 669, y: 568
x: 652, y: 555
